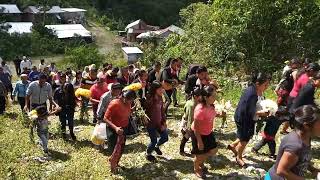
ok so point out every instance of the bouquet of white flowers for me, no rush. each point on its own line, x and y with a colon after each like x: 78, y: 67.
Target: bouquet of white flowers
x: 270, y: 106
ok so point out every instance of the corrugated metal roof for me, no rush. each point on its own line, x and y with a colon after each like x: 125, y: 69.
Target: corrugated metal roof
x: 19, y: 27
x: 69, y: 30
x: 176, y: 29
x: 134, y: 23
x: 9, y: 9
x: 132, y: 50
x: 32, y: 9
x: 73, y: 10
x: 55, y: 10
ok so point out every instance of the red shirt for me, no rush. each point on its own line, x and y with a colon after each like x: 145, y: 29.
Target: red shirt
x: 298, y: 84
x: 97, y: 91
x: 118, y: 113
x: 204, y: 116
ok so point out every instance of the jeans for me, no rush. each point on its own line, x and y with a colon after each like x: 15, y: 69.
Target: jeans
x: 44, y: 137
x: 263, y: 142
x: 167, y: 96
x: 174, y: 96
x: 2, y: 104
x: 154, y: 138
x: 67, y: 114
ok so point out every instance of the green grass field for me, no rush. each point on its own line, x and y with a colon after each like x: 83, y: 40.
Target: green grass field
x: 81, y: 160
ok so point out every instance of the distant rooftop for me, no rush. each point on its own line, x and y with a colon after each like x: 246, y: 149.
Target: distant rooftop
x: 9, y: 9
x: 69, y: 30
x: 19, y: 27
x: 73, y: 10
x: 132, y: 50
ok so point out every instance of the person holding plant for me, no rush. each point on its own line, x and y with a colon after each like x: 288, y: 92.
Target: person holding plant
x: 157, y: 124
x: 117, y: 119
x: 245, y: 114
x: 294, y: 155
x: 204, y: 143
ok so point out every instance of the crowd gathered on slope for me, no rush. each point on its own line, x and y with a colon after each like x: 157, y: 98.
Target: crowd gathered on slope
x: 46, y: 90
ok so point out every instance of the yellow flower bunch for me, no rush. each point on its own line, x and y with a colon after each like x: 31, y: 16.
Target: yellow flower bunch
x: 133, y: 87
x: 80, y: 92
x: 33, y: 114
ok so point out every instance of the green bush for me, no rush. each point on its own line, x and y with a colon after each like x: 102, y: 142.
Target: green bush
x: 248, y: 35
x: 83, y: 56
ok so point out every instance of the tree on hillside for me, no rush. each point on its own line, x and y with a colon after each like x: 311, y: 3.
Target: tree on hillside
x: 254, y: 34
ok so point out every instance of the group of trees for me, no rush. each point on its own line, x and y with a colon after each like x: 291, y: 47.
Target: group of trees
x: 245, y: 34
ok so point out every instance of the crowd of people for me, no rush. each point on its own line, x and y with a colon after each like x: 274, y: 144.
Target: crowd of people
x: 113, y: 105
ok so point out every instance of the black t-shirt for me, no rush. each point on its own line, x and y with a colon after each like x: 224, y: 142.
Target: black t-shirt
x: 293, y: 143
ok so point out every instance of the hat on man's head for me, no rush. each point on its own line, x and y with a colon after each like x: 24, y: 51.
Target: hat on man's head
x: 23, y: 75
x: 113, y: 86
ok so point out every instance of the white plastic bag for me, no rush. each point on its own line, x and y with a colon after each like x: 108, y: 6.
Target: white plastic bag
x: 99, y: 134
x: 318, y: 178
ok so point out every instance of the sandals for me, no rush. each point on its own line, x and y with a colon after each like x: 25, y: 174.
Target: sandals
x: 244, y: 165
x: 232, y: 149
x: 199, y: 174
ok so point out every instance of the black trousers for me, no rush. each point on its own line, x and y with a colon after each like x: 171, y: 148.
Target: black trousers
x: 22, y: 102
x: 263, y: 142
x: 112, y: 138
x: 67, y: 114
x: 2, y: 104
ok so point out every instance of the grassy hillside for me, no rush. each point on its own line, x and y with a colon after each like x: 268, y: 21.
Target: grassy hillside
x: 19, y: 158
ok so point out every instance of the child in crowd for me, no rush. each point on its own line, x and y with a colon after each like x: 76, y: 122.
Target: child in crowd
x: 294, y: 155
x: 187, y: 118
x: 157, y: 124
x: 204, y: 143
x: 41, y: 124
x: 268, y: 135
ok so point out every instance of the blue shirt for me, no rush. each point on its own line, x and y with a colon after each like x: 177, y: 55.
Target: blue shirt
x: 34, y: 75
x: 20, y: 89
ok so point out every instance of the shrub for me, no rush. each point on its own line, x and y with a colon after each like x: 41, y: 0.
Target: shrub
x: 83, y: 55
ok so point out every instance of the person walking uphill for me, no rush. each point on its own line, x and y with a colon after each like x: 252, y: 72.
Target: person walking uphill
x: 38, y: 93
x: 294, y: 155
x: 117, y: 119
x: 157, y: 124
x: 20, y: 90
x: 64, y: 96
x: 245, y: 114
x: 3, y: 94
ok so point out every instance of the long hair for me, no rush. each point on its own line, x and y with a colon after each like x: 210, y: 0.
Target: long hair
x: 69, y: 94
x: 306, y: 114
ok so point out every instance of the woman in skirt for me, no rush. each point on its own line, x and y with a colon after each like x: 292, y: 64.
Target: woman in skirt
x: 203, y: 140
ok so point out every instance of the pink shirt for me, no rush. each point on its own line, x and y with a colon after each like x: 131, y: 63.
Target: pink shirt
x: 204, y: 116
x: 97, y: 92
x: 298, y: 84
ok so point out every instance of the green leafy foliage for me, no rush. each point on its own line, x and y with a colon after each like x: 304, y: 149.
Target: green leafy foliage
x: 249, y: 35
x: 83, y: 55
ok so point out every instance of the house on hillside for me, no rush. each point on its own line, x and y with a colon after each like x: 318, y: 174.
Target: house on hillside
x: 19, y: 27
x: 35, y: 14
x: 11, y: 12
x: 132, y: 54
x: 74, y: 16
x: 70, y: 31
x: 137, y: 27
x: 161, y: 34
